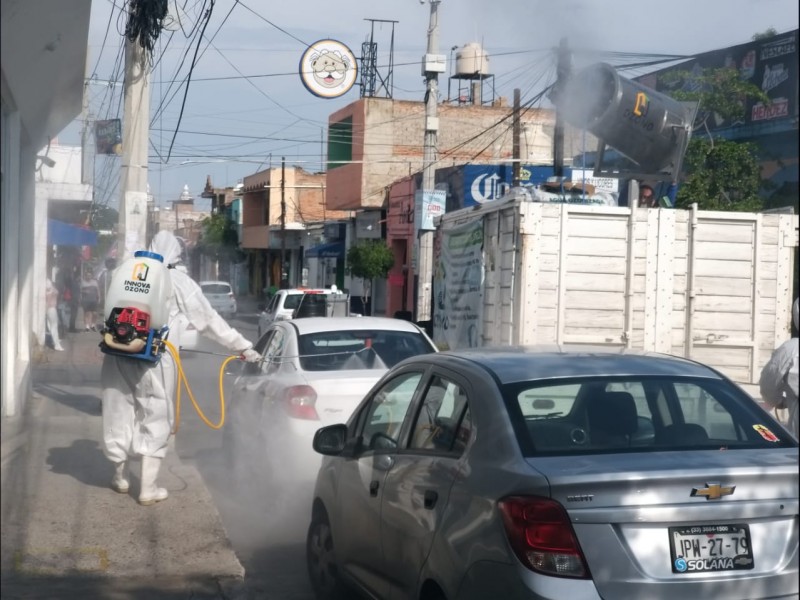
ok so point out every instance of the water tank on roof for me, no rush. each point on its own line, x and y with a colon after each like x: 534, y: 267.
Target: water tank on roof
x: 472, y: 62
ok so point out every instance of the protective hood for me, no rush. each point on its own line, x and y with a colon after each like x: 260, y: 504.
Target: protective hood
x: 167, y: 245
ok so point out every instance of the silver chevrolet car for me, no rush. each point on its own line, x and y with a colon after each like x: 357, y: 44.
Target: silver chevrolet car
x: 558, y: 473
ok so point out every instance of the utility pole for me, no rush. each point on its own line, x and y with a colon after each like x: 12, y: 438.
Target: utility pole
x: 563, y: 71
x: 283, y: 220
x: 433, y: 64
x: 515, y: 151
x: 87, y: 158
x: 135, y: 134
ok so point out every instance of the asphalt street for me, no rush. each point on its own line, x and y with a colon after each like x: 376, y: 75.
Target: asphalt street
x: 268, y: 539
x: 66, y: 534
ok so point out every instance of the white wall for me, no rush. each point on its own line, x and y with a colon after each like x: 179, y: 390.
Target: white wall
x: 42, y: 63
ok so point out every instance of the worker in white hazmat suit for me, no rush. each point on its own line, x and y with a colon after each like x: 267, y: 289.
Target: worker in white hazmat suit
x: 138, y: 409
x: 779, y: 378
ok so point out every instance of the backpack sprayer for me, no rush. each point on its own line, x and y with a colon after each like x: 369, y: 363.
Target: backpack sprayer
x: 137, y: 308
x: 137, y: 313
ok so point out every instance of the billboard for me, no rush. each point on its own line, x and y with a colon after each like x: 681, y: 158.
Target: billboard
x: 476, y: 184
x: 108, y: 136
x: 770, y: 63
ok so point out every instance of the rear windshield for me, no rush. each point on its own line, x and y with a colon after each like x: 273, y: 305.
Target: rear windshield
x: 216, y: 288
x: 638, y: 415
x: 359, y: 349
x: 292, y: 301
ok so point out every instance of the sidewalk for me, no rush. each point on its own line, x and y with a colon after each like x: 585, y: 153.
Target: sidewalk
x: 66, y: 534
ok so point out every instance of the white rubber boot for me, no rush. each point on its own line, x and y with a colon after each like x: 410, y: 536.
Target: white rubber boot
x: 119, y: 483
x: 150, y: 492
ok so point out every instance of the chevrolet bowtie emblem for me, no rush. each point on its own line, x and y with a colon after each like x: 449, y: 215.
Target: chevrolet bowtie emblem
x: 713, y: 491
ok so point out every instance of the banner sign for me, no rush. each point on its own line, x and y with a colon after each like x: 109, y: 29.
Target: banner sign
x: 108, y: 136
x: 603, y: 184
x: 458, y: 265
x: 428, y: 205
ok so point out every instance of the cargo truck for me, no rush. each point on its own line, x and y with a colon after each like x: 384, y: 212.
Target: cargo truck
x: 712, y: 286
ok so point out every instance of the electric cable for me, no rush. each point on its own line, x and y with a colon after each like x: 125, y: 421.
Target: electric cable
x: 105, y: 38
x: 189, y: 76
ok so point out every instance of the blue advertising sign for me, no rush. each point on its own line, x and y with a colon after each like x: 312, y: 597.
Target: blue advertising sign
x: 484, y: 183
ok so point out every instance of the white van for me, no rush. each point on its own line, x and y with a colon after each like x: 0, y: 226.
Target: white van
x: 283, y: 304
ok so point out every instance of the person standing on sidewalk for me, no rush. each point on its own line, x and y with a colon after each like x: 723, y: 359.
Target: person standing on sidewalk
x: 51, y: 314
x: 90, y: 300
x: 71, y: 292
x: 780, y: 377
x: 104, y: 279
x: 138, y: 411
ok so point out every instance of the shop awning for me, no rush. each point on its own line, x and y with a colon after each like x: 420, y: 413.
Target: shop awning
x: 332, y: 250
x: 65, y: 234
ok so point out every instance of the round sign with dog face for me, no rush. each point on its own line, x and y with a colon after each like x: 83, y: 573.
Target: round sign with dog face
x: 328, y: 69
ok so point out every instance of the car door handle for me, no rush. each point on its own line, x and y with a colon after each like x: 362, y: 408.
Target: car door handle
x: 373, y: 487
x: 430, y: 498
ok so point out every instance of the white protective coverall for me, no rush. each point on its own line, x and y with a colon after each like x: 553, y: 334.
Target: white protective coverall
x: 138, y: 409
x: 779, y: 378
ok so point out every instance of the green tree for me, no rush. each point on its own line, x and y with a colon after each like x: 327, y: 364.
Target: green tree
x: 219, y: 240
x: 369, y: 260
x: 718, y: 174
x: 721, y: 175
x: 768, y: 33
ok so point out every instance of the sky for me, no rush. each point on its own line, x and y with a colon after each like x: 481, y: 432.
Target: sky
x: 246, y: 106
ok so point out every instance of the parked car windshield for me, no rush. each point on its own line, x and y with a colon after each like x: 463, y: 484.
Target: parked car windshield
x: 637, y: 415
x: 359, y: 349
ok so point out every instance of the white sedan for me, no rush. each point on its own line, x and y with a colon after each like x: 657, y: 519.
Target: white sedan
x: 315, y: 372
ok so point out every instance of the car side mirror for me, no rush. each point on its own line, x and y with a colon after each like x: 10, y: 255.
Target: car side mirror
x: 544, y: 404
x: 330, y: 440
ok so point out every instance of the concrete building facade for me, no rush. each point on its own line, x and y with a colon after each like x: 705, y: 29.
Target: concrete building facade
x: 43, y: 46
x: 374, y: 142
x: 301, y: 197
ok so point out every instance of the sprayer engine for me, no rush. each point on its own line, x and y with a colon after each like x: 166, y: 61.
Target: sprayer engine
x: 128, y: 324
x: 128, y: 333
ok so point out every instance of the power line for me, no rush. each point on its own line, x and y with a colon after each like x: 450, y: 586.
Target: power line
x: 191, y: 69
x: 281, y: 29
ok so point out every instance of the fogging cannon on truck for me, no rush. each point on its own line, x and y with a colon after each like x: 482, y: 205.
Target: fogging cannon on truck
x: 650, y: 130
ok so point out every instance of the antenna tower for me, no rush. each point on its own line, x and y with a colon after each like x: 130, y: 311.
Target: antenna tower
x: 373, y: 82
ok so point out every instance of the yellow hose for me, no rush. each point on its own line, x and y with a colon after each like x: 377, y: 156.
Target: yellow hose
x: 182, y: 380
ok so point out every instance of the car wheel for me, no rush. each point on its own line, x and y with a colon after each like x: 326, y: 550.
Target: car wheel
x: 321, y: 561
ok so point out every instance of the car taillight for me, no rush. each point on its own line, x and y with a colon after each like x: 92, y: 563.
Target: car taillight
x: 300, y: 402
x: 542, y: 537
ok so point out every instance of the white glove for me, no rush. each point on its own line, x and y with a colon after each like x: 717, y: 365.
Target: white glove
x: 251, y: 356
